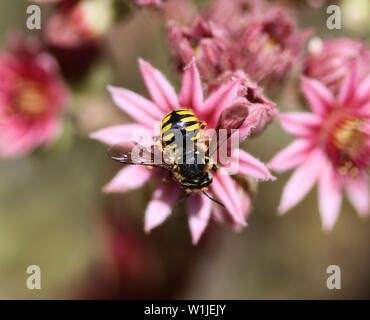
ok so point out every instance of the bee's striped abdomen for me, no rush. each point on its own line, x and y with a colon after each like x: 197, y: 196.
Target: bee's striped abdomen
x: 180, y: 123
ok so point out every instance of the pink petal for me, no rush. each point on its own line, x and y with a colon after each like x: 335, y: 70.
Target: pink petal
x: 18, y: 139
x: 248, y: 127
x: 363, y: 91
x: 160, y: 206
x: 359, y: 194
x: 191, y: 93
x: 301, y: 181
x: 117, y: 134
x: 251, y: 167
x: 349, y: 86
x: 261, y: 114
x: 291, y: 156
x: 223, y: 216
x: 160, y: 90
x: 330, y: 197
x: 219, y: 101
x: 139, y: 108
x: 364, y: 111
x: 128, y: 178
x: 300, y: 124
x: 319, y: 97
x: 224, y: 189
x: 199, y: 207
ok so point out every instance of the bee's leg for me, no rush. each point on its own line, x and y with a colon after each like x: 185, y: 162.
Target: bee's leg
x: 183, y: 198
x: 215, y: 167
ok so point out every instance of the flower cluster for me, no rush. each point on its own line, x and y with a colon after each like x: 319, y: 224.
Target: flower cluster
x: 148, y: 3
x: 239, y: 35
x: 226, y: 53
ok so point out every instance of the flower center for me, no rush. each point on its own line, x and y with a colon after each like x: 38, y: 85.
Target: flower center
x: 29, y: 99
x: 347, y: 144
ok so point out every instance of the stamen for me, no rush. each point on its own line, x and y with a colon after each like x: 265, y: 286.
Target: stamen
x: 347, y: 144
x: 29, y: 99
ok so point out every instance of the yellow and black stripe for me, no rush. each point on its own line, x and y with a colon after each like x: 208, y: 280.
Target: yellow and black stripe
x: 180, y: 121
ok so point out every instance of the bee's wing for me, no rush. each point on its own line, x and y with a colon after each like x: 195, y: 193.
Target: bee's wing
x: 230, y: 119
x: 130, y: 152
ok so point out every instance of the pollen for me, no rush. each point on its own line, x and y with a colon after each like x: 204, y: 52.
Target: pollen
x: 348, y: 137
x: 354, y: 172
x: 29, y: 99
x: 347, y: 144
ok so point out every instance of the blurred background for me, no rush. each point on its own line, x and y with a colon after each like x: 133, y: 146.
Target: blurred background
x: 92, y: 245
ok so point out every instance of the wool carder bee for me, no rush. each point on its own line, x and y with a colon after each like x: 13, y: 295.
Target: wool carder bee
x: 184, y: 153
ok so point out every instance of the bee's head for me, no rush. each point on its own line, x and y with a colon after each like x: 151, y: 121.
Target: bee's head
x: 192, y: 171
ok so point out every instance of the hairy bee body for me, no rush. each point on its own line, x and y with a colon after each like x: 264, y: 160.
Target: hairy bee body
x: 188, y: 155
x: 191, y: 165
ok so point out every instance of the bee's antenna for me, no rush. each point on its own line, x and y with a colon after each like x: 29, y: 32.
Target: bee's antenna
x: 213, y: 199
x: 182, y: 199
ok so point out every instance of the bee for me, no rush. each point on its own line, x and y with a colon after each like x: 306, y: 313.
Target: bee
x: 190, y: 167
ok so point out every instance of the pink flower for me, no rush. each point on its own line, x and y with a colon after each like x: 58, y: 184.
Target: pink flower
x: 264, y: 43
x: 235, y: 14
x: 32, y: 96
x: 261, y: 110
x: 206, y: 42
x: 156, y: 4
x: 76, y: 22
x: 333, y: 147
x: 329, y: 61
x: 268, y: 45
x: 146, y: 113
x: 46, y: 1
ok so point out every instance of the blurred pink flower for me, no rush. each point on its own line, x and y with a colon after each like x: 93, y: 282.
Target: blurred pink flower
x: 146, y: 113
x: 268, y: 45
x: 333, y: 147
x: 76, y: 22
x: 148, y: 3
x: 329, y: 61
x: 46, y: 1
x: 234, y: 15
x: 128, y: 264
x: 32, y: 96
x: 262, y: 41
x: 205, y: 41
